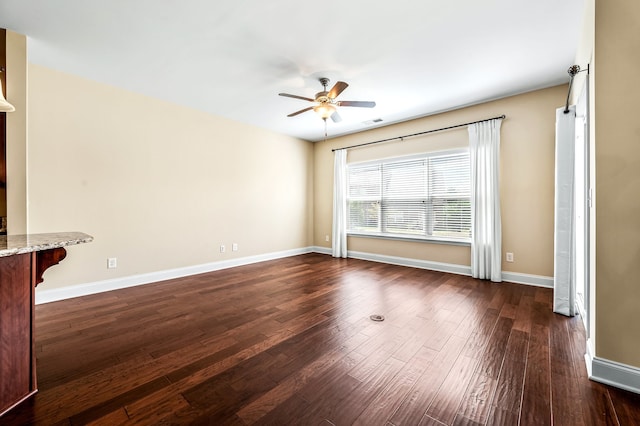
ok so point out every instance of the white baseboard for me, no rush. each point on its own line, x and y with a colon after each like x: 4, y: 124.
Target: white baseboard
x: 588, y: 356
x: 414, y: 263
x: 53, y: 295
x: 614, y: 374
x: 528, y: 279
x: 513, y: 277
x: 322, y: 250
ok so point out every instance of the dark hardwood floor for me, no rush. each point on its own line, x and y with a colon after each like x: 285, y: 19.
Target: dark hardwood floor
x: 290, y: 342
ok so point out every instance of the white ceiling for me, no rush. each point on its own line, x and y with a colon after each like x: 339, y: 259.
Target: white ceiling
x: 233, y: 57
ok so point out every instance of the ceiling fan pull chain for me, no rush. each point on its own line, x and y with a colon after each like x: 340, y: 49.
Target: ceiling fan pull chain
x: 325, y: 129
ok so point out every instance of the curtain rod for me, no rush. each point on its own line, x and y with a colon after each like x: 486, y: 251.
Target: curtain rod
x: 420, y: 133
x: 573, y: 70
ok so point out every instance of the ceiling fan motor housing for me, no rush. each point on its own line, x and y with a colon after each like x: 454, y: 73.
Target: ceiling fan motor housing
x: 322, y: 97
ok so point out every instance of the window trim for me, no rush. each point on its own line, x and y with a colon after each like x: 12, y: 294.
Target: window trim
x: 407, y: 237
x: 397, y: 237
x: 409, y: 157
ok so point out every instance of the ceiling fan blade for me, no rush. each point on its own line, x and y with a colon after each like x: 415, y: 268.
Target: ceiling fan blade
x: 337, y: 89
x: 299, y: 112
x: 296, y: 97
x: 336, y: 117
x: 361, y: 104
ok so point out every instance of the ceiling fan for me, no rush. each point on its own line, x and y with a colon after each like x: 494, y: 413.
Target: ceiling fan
x: 326, y: 103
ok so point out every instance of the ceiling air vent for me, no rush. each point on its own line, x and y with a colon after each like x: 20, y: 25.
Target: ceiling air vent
x: 370, y: 122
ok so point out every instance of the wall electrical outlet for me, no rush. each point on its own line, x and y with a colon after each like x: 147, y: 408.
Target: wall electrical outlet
x: 234, y: 247
x: 112, y: 263
x: 509, y: 257
x: 326, y: 238
x: 222, y: 248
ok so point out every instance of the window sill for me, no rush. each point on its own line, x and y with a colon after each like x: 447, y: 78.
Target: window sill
x: 432, y: 240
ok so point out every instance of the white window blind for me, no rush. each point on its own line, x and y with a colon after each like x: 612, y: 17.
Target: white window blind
x: 426, y: 197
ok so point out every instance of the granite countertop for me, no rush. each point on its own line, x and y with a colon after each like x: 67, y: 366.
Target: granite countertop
x: 18, y: 244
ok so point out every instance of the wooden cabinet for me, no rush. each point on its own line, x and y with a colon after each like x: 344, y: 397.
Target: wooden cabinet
x: 19, y: 275
x: 23, y: 260
x: 17, y: 375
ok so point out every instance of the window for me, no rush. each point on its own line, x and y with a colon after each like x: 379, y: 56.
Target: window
x: 419, y: 197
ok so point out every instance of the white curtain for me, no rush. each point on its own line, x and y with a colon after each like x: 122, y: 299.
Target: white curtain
x: 339, y: 240
x: 564, y: 286
x: 486, y: 227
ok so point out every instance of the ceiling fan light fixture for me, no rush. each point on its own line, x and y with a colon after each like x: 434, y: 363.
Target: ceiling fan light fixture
x: 325, y: 110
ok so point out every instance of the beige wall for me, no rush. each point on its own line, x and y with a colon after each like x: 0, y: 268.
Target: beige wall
x: 17, y: 133
x: 617, y: 149
x: 584, y: 52
x: 527, y: 178
x: 159, y: 186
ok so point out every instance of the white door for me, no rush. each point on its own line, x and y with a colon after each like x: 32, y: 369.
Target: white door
x: 581, y: 212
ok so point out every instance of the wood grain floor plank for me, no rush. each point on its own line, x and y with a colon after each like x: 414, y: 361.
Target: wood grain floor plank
x: 500, y: 417
x: 323, y: 386
x: 479, y: 338
x: 411, y: 346
x: 289, y: 387
x: 492, y: 358
x: 385, y: 404
x: 536, y: 401
x: 510, y: 385
x: 600, y: 409
x: 106, y: 407
x: 476, y: 402
x: 565, y: 379
x: 416, y: 403
x: 115, y: 418
x: 292, y: 411
x: 429, y: 421
x: 351, y: 407
x: 626, y: 405
x: 447, y: 400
